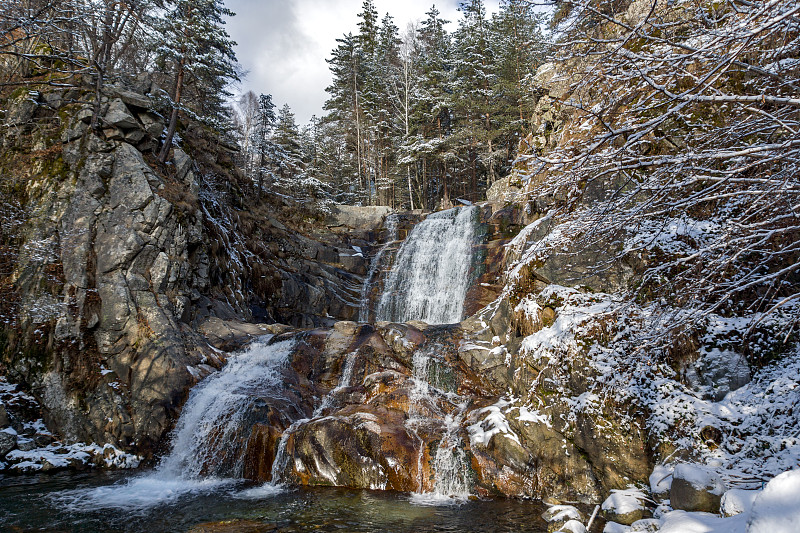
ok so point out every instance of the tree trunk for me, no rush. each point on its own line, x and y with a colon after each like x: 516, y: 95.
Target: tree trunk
x: 173, y: 119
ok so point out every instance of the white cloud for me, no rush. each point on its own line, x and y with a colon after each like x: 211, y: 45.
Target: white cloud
x: 284, y: 44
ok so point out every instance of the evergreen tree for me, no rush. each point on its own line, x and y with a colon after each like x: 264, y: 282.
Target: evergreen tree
x: 519, y: 49
x: 474, y: 98
x: 198, y: 54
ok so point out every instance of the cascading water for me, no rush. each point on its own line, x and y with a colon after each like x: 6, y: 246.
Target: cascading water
x: 374, y: 267
x: 428, y: 396
x: 206, y: 443
x: 430, y: 276
x: 281, y: 459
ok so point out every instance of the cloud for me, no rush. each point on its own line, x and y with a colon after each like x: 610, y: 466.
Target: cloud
x: 284, y: 44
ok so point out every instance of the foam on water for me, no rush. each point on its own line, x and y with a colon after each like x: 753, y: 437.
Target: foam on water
x: 206, y: 430
x: 430, y: 277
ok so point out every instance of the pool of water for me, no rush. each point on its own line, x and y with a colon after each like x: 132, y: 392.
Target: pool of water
x: 124, y: 502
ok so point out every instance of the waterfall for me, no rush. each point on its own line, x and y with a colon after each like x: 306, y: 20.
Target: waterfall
x: 450, y: 465
x: 281, y: 459
x: 430, y: 276
x: 374, y: 267
x: 208, y: 440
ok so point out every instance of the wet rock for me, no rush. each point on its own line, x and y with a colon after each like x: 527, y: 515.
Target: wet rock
x: 696, y: 488
x: 234, y: 526
x: 359, y: 447
x: 230, y: 335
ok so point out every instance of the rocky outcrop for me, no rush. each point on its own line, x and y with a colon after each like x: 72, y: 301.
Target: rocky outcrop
x: 392, y: 406
x: 124, y: 276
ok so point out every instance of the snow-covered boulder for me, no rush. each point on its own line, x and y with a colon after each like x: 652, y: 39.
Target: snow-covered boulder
x: 557, y: 516
x: 572, y: 526
x: 614, y: 527
x: 737, y: 501
x: 777, y: 508
x: 646, y: 525
x: 625, y: 506
x: 696, y: 488
x: 661, y: 481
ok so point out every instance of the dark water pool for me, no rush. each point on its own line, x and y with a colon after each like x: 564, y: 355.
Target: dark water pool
x: 75, y: 502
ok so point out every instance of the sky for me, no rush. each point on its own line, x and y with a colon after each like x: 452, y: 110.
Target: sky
x: 283, y: 44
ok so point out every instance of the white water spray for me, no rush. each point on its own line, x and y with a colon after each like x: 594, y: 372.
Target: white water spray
x: 374, y: 267
x: 450, y: 466
x: 430, y: 276
x: 207, y: 445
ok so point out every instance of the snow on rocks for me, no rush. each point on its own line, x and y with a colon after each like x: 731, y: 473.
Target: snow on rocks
x: 26, y: 446
x: 572, y: 526
x: 560, y: 514
x: 625, y: 506
x: 614, y: 527
x: 777, y: 508
x: 661, y: 480
x: 696, y: 488
x: 494, y: 422
x: 737, y: 501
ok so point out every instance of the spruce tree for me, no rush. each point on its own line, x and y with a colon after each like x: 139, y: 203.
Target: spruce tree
x: 197, y: 52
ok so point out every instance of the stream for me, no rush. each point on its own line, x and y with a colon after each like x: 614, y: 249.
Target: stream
x: 59, y: 507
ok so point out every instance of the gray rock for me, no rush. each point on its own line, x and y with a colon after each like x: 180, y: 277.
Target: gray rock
x: 153, y: 124
x: 8, y: 441
x: 120, y: 116
x: 20, y: 111
x: 696, y: 488
x: 25, y: 444
x: 4, y: 419
x: 129, y: 186
x: 133, y: 99
x: 363, y: 218
x: 134, y: 136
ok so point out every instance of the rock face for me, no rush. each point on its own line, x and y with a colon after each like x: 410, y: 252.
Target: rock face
x: 399, y: 407
x: 113, y: 262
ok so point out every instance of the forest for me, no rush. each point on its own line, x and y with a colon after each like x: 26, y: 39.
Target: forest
x: 415, y: 117
x: 540, y: 264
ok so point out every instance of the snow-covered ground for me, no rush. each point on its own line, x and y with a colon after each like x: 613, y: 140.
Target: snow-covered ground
x: 27, y: 446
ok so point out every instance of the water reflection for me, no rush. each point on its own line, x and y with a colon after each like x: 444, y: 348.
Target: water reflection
x: 51, y: 503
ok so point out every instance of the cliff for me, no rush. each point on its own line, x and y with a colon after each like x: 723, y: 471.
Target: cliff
x: 120, y: 274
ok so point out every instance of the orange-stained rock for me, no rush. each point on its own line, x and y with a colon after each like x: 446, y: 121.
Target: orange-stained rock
x: 260, y: 452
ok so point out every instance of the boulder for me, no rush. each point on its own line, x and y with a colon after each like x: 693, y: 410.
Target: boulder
x: 557, y: 516
x: 8, y: 441
x: 737, y: 501
x: 661, y: 481
x: 362, y: 218
x: 696, y: 488
x: 572, y: 526
x: 153, y: 124
x: 777, y: 508
x: 133, y: 99
x: 120, y: 116
x: 625, y: 506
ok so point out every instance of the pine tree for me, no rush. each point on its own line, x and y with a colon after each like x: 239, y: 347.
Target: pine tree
x: 474, y: 98
x: 519, y: 49
x: 198, y: 53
